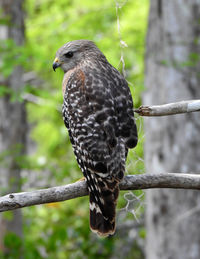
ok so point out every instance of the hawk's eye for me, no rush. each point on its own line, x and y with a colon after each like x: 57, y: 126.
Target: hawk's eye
x: 69, y: 54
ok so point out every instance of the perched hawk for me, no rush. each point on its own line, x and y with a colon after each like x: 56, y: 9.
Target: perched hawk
x: 98, y: 113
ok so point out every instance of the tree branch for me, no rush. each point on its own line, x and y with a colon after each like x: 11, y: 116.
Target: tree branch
x: 143, y: 110
x: 169, y: 109
x: 130, y: 182
x: 79, y: 189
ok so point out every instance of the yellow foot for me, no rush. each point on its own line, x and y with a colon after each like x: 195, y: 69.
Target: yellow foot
x: 81, y: 179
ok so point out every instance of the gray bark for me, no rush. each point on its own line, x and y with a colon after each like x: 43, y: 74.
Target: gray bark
x: 169, y: 108
x: 12, y: 117
x: 14, y: 201
x: 172, y: 143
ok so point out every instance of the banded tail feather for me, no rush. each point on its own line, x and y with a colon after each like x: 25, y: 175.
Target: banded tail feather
x: 103, y: 194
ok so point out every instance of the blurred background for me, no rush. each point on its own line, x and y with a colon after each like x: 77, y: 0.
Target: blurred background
x: 35, y: 152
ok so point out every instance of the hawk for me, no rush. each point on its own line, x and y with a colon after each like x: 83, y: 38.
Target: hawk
x: 98, y: 113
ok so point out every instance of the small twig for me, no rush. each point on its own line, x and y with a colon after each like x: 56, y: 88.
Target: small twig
x: 169, y: 109
x: 40, y: 101
x: 79, y: 189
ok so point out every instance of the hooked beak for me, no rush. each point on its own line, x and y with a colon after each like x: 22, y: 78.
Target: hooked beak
x: 56, y: 64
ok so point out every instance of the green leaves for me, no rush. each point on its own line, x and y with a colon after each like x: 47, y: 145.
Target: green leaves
x: 12, y: 55
x: 13, y: 245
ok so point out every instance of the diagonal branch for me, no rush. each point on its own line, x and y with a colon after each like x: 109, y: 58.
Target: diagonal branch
x: 169, y: 109
x: 79, y: 189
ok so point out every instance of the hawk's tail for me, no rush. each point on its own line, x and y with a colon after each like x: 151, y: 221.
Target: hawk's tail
x: 103, y: 194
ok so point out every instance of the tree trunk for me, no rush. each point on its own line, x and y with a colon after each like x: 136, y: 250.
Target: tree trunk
x: 12, y: 119
x: 173, y: 142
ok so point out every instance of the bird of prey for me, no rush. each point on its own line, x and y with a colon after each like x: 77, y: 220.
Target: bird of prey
x: 98, y: 113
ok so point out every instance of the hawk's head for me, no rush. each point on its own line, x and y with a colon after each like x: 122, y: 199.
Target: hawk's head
x: 74, y: 52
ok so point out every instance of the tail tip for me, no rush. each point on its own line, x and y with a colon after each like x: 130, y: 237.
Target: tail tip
x: 100, y: 225
x: 102, y: 232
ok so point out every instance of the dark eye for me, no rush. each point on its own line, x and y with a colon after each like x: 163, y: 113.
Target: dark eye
x: 69, y: 54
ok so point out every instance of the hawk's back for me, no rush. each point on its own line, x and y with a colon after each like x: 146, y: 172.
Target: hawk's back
x: 98, y: 112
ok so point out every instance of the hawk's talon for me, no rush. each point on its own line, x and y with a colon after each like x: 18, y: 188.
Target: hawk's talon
x: 81, y: 179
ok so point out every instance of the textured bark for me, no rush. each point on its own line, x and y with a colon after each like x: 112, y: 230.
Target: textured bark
x: 172, y: 143
x: 169, y: 108
x: 12, y: 117
x: 14, y: 201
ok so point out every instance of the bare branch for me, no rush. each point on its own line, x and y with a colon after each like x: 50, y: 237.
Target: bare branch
x: 143, y: 110
x: 169, y: 109
x: 79, y: 189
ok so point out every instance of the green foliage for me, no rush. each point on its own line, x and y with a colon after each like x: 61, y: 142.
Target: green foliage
x: 61, y: 230
x: 12, y: 56
x: 13, y: 245
x: 64, y: 231
x: 8, y: 215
